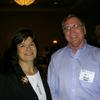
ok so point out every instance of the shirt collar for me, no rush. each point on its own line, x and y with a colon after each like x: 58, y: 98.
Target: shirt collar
x: 79, y: 50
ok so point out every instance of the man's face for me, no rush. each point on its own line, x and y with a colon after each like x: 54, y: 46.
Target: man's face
x: 74, y: 32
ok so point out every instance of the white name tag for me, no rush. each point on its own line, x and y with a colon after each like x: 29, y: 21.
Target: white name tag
x: 86, y: 75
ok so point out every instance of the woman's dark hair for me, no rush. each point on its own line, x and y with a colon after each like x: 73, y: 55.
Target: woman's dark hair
x: 11, y: 54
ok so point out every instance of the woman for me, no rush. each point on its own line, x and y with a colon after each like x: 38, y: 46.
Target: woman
x: 25, y: 81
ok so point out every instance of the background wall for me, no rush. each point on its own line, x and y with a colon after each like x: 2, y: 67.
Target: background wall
x: 46, y: 26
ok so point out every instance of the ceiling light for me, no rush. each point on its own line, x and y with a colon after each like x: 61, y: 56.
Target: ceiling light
x: 24, y: 2
x: 55, y: 41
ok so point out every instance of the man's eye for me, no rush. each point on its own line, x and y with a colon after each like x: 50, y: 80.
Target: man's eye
x: 66, y: 27
x: 75, y: 26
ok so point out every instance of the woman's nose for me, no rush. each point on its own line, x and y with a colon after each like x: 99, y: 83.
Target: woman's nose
x: 28, y: 48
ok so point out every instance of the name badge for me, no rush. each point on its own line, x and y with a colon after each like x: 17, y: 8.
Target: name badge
x: 86, y: 75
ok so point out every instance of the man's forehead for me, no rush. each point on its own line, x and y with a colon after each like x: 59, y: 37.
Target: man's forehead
x: 73, y: 21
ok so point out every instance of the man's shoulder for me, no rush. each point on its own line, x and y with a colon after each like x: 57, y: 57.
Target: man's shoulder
x: 93, y: 48
x: 59, y: 52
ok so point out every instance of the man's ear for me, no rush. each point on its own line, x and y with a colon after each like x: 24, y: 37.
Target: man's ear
x: 84, y: 29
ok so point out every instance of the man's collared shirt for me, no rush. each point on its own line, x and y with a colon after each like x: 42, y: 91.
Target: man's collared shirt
x: 75, y: 76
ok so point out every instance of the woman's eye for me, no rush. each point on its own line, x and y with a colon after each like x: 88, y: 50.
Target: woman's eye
x: 21, y: 46
x: 32, y: 44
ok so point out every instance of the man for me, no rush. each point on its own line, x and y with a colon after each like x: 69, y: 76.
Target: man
x: 74, y: 71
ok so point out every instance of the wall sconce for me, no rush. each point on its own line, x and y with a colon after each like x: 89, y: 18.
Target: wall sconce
x: 24, y: 2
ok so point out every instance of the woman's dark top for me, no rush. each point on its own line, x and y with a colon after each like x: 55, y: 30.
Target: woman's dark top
x: 13, y: 88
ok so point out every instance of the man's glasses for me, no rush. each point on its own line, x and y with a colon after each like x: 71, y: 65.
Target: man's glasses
x: 75, y: 26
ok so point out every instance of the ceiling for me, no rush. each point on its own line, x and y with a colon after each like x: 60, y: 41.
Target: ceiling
x: 87, y: 8
x: 84, y: 6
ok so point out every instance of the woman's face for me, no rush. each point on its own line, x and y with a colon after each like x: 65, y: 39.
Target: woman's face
x: 26, y: 50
